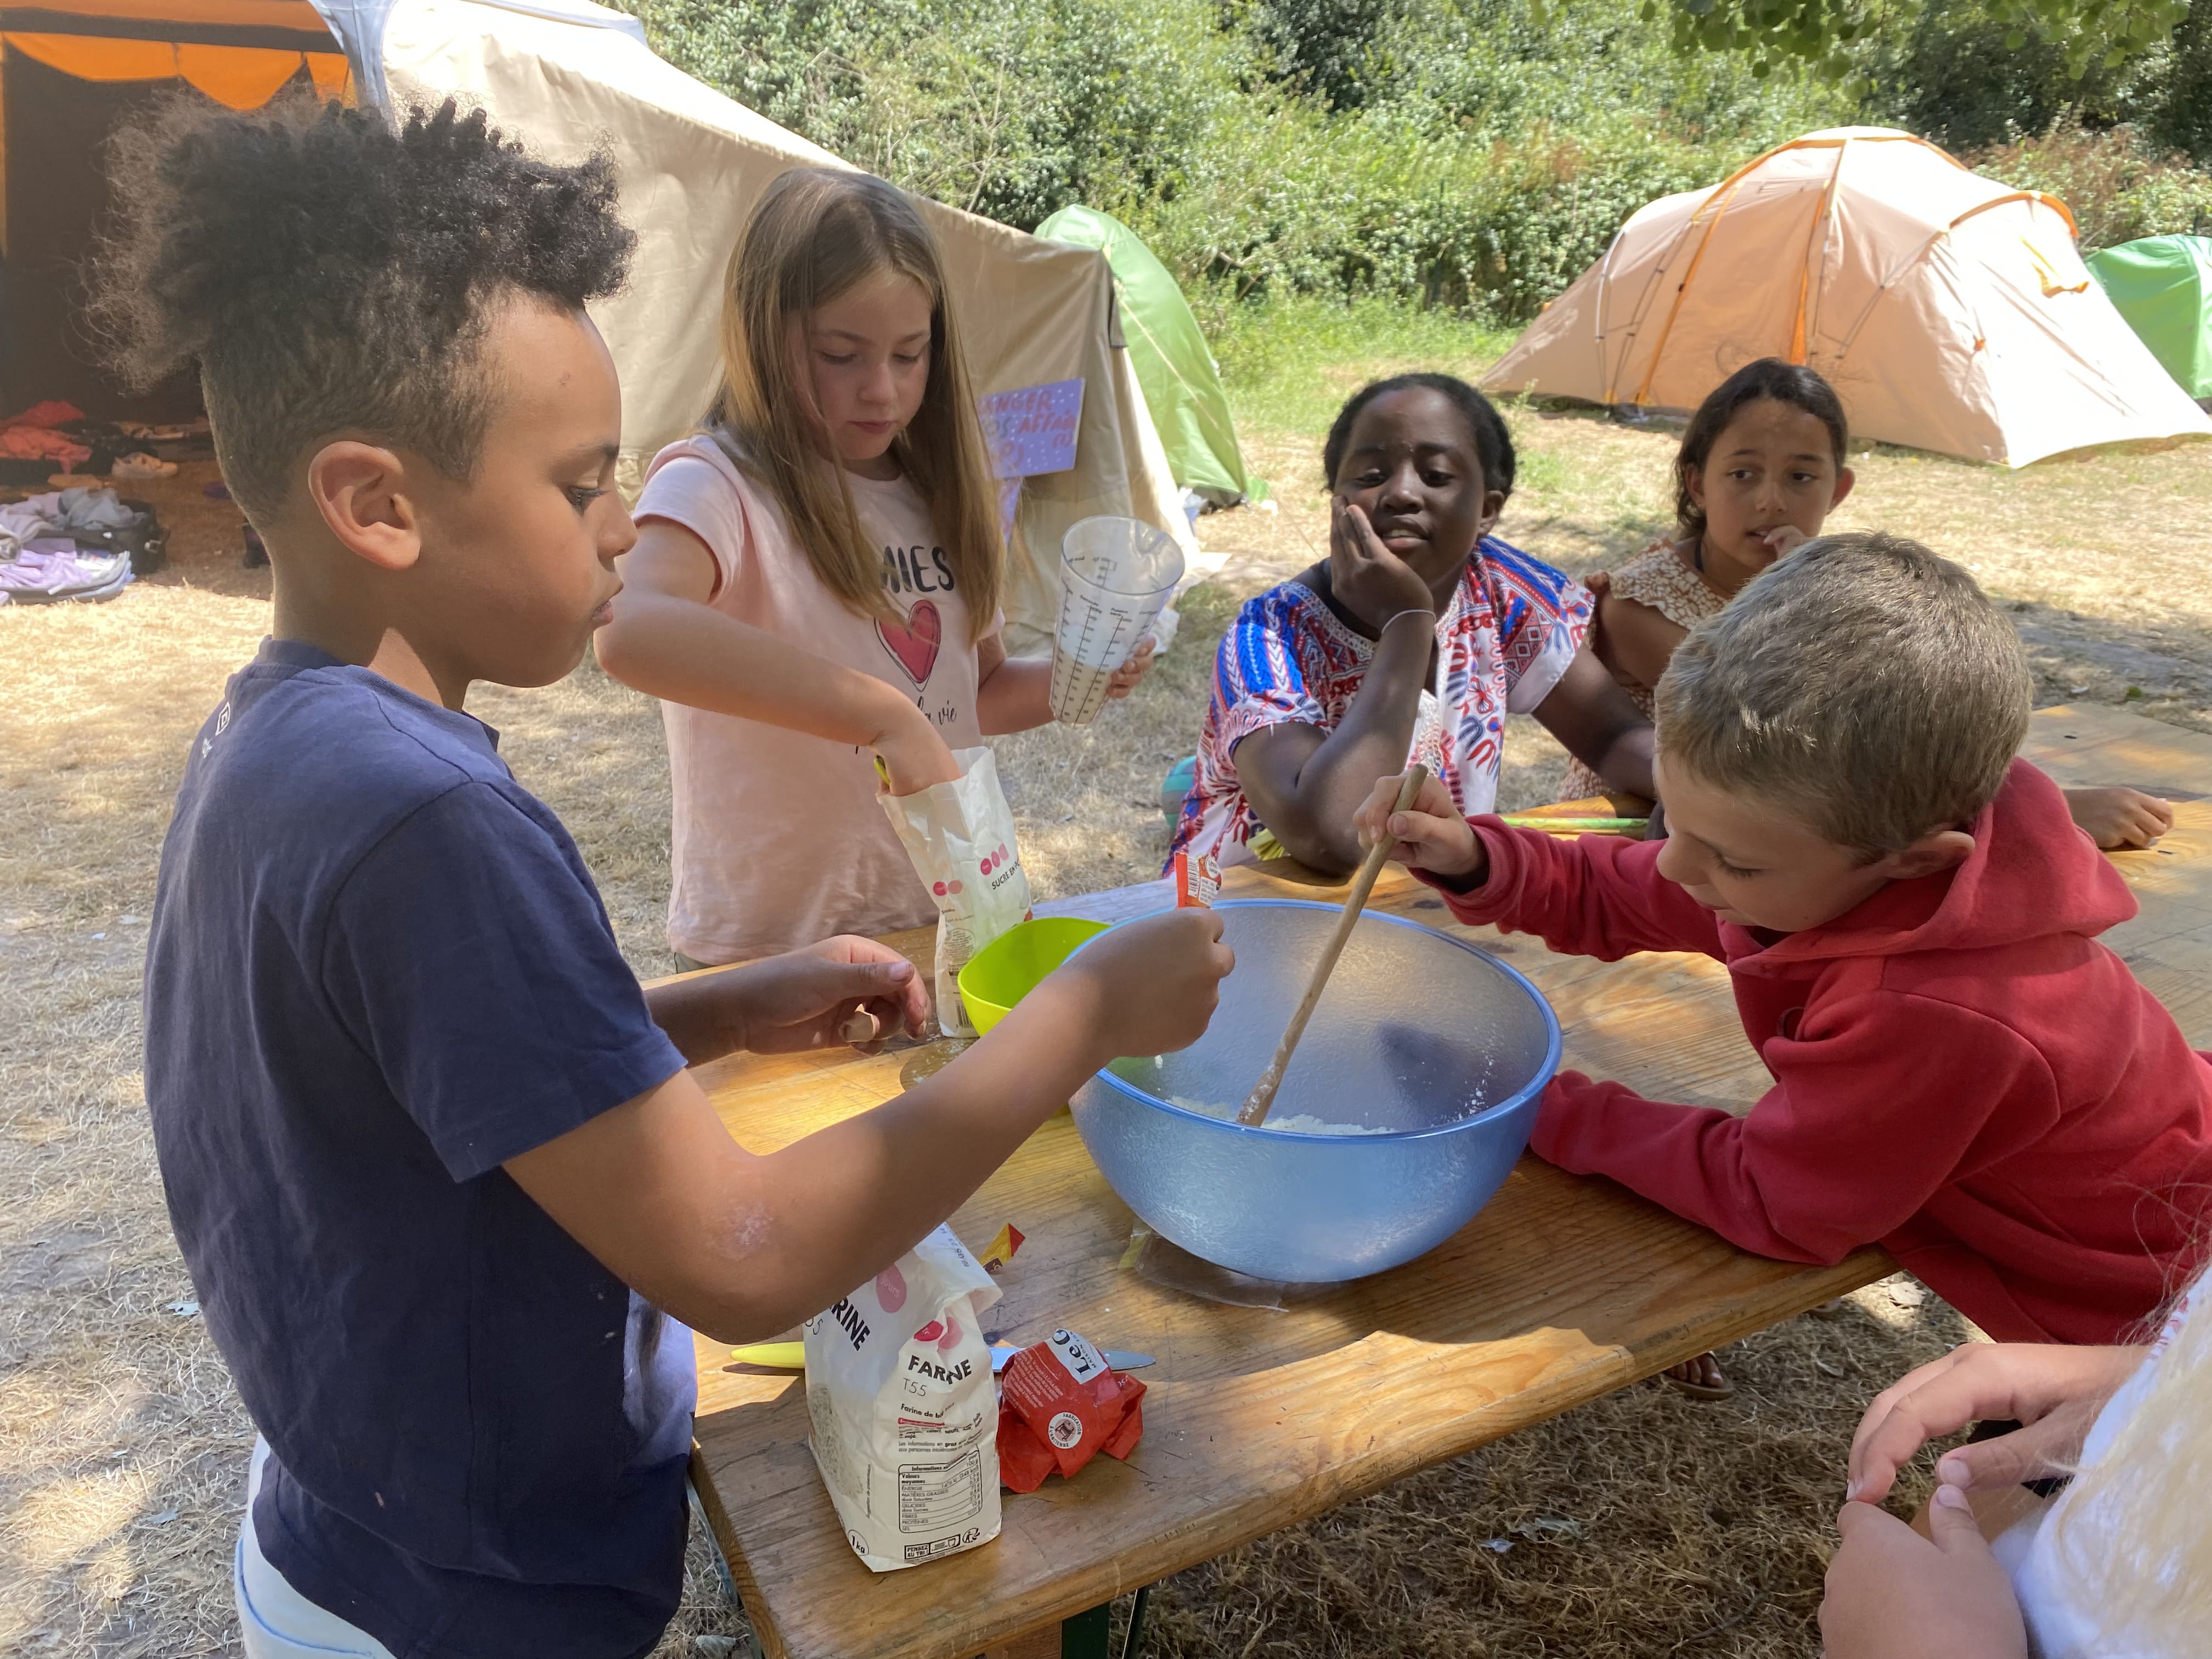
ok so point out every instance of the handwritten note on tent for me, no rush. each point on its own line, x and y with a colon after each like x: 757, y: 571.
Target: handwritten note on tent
x: 1031, y: 429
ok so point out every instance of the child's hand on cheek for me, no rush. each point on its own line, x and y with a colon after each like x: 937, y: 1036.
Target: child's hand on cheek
x: 1893, y: 1595
x: 1369, y: 579
x: 1431, y: 834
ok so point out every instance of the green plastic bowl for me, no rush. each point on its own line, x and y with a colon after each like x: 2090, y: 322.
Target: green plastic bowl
x: 1011, y: 965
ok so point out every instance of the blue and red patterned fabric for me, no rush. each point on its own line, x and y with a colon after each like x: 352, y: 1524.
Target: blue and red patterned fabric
x: 1513, y: 625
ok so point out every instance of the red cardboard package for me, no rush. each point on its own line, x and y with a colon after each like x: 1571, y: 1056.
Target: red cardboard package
x: 1060, y: 1405
x: 1197, y: 881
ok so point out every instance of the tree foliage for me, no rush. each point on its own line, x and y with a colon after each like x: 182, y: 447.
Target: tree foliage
x: 2086, y: 32
x: 1470, y: 154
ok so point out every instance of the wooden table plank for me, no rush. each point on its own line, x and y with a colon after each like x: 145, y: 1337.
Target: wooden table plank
x: 2086, y: 744
x: 1560, y: 1291
x: 2169, y: 945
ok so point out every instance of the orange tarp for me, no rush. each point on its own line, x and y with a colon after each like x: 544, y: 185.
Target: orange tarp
x: 233, y: 76
x: 255, y: 14
x: 241, y: 77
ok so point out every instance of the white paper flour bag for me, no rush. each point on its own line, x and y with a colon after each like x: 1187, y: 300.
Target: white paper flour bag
x: 905, y: 1413
x: 960, y: 838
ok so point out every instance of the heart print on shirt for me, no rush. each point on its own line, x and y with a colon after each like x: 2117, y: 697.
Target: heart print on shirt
x: 914, y: 646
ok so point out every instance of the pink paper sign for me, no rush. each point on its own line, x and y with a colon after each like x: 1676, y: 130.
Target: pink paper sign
x: 1031, y: 429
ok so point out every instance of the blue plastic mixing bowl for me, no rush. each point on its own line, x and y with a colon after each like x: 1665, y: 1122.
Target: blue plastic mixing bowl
x: 1439, y: 1047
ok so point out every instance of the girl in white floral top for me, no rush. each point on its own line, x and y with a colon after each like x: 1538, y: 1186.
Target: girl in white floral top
x: 1760, y: 468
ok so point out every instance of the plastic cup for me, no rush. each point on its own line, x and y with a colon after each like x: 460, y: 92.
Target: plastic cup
x: 1115, y: 575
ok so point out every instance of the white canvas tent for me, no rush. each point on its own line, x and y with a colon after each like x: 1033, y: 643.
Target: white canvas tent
x: 1952, y: 312
x: 566, y: 76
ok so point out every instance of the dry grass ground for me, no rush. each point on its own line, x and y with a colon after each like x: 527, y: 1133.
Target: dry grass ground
x: 1640, y: 1525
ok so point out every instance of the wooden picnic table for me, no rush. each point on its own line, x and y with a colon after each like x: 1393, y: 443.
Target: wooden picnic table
x: 1563, y: 1289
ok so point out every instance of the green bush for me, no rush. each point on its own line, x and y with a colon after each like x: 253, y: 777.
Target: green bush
x: 1476, y: 155
x: 1950, y: 79
x: 1472, y: 155
x: 1009, y: 109
x: 1501, y: 68
x: 1462, y: 154
x: 1328, y: 48
x: 2179, y: 118
x: 1941, y: 69
x: 2116, y: 189
x: 1375, y: 204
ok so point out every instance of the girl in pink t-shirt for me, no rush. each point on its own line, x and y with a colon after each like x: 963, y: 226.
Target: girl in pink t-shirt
x: 817, y: 577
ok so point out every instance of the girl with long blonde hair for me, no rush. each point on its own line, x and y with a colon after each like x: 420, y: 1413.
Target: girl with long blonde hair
x: 817, y: 577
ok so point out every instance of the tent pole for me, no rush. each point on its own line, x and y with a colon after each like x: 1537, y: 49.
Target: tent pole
x: 1814, y: 242
x: 1652, y: 363
x: 1723, y: 193
x: 1604, y: 287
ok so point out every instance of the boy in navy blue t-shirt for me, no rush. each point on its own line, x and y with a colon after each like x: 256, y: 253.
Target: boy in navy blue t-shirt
x: 432, y: 1155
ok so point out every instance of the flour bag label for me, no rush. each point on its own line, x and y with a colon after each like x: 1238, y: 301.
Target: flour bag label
x: 905, y: 1414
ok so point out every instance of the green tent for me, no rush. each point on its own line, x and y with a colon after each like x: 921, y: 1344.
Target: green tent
x: 2163, y: 285
x: 1181, y: 387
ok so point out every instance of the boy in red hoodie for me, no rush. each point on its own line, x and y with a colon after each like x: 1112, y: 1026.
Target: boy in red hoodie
x: 1961, y: 1072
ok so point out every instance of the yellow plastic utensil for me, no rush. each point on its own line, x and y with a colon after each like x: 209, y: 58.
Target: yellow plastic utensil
x: 773, y: 1356
x: 1538, y: 821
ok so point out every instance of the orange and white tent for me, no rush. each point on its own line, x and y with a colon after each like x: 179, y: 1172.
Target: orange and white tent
x: 1952, y: 312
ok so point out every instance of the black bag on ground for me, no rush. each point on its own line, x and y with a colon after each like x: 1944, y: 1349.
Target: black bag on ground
x: 144, y: 538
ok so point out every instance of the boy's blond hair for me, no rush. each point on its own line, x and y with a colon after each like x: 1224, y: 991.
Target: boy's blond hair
x: 1862, y: 683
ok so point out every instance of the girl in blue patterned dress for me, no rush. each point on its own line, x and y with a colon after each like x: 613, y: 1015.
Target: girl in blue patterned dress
x: 1412, y: 641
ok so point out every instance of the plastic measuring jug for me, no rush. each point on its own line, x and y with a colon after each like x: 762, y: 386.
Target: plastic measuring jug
x: 1114, y: 575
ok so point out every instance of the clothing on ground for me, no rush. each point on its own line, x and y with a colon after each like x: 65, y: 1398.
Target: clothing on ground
x: 378, y: 970
x: 1512, y: 627
x: 76, y: 544
x: 1962, y: 1073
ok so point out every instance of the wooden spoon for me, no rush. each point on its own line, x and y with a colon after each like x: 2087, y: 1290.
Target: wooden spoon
x: 1255, y: 1109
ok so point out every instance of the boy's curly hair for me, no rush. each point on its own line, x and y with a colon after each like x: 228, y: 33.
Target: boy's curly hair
x: 330, y: 276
